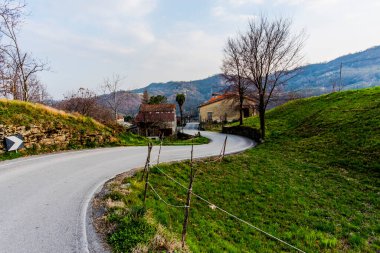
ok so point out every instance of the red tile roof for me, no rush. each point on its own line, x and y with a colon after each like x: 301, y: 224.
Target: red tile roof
x: 220, y: 97
x: 157, y: 108
x: 156, y: 113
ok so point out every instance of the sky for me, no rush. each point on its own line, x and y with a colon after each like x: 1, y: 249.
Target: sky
x: 145, y: 41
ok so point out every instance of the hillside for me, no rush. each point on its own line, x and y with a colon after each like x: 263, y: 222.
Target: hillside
x: 129, y: 105
x: 196, y: 92
x: 360, y: 70
x: 314, y: 183
x: 46, y: 129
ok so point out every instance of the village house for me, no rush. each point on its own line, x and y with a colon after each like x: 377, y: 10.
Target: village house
x: 157, y: 119
x: 225, y: 108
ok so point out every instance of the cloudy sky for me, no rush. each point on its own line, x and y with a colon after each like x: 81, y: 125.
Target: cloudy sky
x: 148, y: 41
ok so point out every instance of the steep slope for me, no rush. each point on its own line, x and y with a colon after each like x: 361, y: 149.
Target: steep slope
x: 342, y: 126
x: 46, y: 129
x: 314, y: 183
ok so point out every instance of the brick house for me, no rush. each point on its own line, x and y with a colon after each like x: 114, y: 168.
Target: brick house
x: 157, y: 119
x: 225, y: 107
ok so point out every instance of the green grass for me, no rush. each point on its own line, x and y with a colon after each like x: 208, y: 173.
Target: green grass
x: 25, y: 115
x: 314, y: 183
x: 197, y: 140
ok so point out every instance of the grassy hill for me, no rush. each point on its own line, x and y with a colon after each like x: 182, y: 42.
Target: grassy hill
x: 314, y: 183
x: 46, y: 129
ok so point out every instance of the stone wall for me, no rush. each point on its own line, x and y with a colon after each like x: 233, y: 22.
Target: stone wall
x: 245, y: 131
x: 53, y: 137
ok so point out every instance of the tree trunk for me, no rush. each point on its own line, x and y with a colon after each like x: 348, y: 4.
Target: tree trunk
x: 262, y: 116
x: 262, y: 123
x: 241, y: 100
x: 25, y: 91
x: 181, y: 119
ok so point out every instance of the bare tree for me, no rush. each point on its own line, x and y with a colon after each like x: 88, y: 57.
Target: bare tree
x: 18, y: 68
x: 85, y: 102
x: 271, y: 56
x: 82, y: 101
x: 37, y: 91
x: 233, y: 72
x: 111, y: 89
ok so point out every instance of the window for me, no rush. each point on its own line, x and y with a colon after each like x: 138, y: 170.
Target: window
x: 246, y: 112
x: 209, y: 116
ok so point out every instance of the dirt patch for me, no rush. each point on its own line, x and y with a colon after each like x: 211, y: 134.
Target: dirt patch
x: 100, y: 204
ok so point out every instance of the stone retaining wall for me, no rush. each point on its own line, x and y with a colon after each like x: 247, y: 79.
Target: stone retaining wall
x: 56, y: 137
x: 245, y: 131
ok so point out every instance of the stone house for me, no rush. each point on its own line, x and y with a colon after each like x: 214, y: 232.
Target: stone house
x: 157, y: 119
x: 225, y: 107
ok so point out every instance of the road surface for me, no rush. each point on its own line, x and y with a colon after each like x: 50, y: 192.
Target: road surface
x: 44, y: 199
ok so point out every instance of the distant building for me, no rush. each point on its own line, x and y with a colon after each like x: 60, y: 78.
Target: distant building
x: 157, y: 119
x: 225, y: 107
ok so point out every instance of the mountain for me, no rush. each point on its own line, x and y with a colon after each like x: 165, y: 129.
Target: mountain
x: 359, y: 70
x: 130, y: 102
x: 196, y: 92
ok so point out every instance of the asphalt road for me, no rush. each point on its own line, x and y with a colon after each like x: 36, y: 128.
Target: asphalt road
x: 44, y: 199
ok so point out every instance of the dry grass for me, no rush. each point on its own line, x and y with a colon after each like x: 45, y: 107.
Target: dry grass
x: 162, y: 241
x: 51, y: 110
x: 112, y: 204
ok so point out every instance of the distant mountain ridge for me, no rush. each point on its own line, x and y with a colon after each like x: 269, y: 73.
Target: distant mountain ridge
x: 359, y: 70
x: 196, y: 92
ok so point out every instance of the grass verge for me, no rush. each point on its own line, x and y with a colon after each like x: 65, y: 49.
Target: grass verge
x: 314, y: 183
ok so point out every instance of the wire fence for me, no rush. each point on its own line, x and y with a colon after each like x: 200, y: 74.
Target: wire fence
x: 215, y: 207
x: 191, y: 193
x: 160, y: 198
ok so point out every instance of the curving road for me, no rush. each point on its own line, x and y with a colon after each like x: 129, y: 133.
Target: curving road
x: 44, y: 199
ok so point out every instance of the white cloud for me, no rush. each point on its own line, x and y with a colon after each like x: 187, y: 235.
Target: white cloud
x: 222, y: 14
x: 183, y: 54
x: 310, y: 3
x: 60, y: 37
x: 244, y: 2
x: 142, y: 32
x: 118, y: 8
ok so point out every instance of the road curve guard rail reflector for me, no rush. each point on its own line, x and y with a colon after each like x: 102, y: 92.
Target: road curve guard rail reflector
x: 13, y: 143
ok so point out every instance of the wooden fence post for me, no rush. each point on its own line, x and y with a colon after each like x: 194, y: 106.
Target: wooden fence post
x: 147, y: 160
x: 188, y: 199
x: 150, y: 146
x: 224, y: 147
x: 159, y: 151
